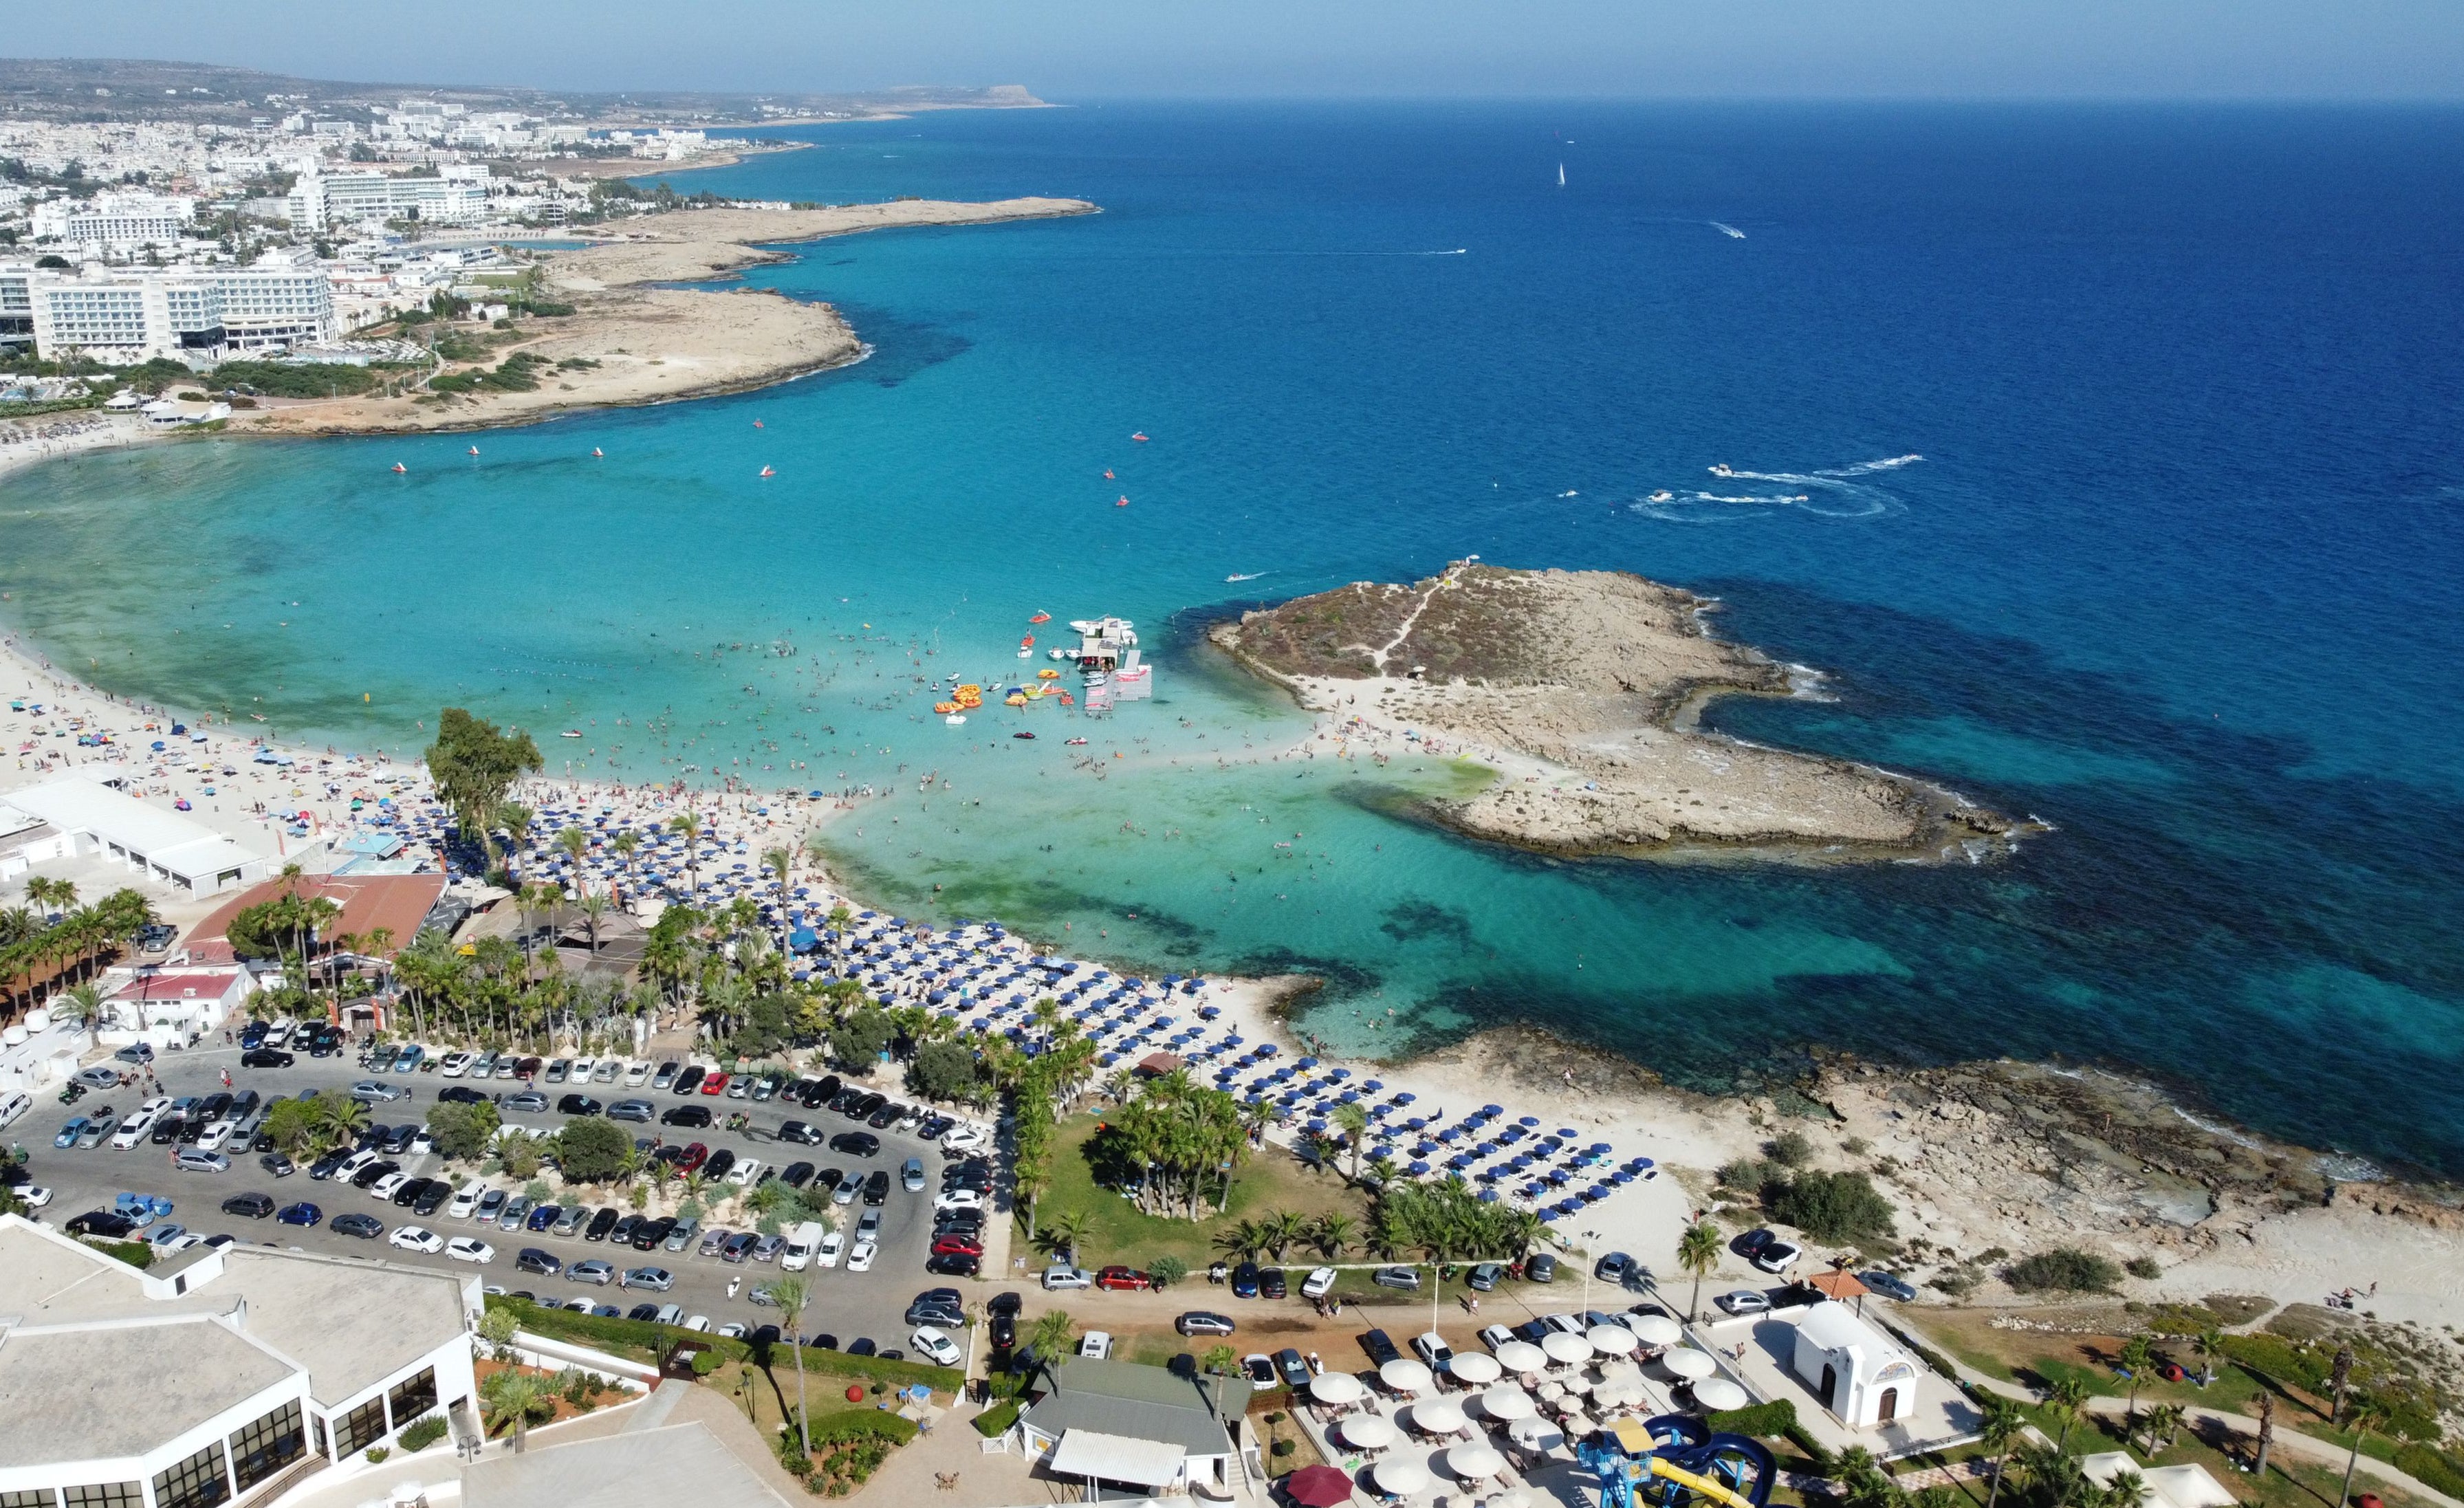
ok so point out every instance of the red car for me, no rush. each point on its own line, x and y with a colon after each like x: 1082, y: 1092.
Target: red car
x: 695, y: 1155
x: 1118, y: 1279
x: 714, y: 1083
x: 957, y: 1246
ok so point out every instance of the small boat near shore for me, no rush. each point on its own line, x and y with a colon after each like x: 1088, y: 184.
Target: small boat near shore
x: 766, y: 471
x: 398, y: 468
x: 1022, y: 734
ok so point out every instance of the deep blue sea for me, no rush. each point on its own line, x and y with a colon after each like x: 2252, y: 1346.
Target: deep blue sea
x: 2181, y: 570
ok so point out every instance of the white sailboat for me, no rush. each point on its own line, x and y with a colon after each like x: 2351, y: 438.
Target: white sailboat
x: 1561, y: 175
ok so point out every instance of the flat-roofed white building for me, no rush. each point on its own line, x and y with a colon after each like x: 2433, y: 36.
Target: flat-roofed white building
x: 198, y: 314
x: 156, y: 841
x: 221, y: 1377
x: 115, y: 222
x: 458, y: 196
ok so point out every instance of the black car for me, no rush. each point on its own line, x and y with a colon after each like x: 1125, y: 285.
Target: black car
x: 279, y: 1166
x: 720, y: 1165
x: 101, y: 1222
x: 855, y: 1143
x: 954, y: 1264
x: 255, y: 1206
x: 167, y: 1129
x: 643, y: 1311
x: 1380, y: 1347
x: 846, y: 1101
x: 577, y: 1104
x: 622, y: 1232
x: 695, y: 1116
x: 864, y: 1107
x: 212, y: 1109
x: 885, y: 1116
x: 324, y: 1167
x: 648, y: 1235
x: 601, y: 1224
x: 432, y: 1199
x: 934, y: 1128
x: 690, y: 1078
x: 937, y: 1307
x: 876, y: 1189
x: 960, y: 1222
x: 367, y: 1176
x: 1270, y: 1283
x: 820, y: 1094
x: 797, y: 1133
x: 797, y: 1176
x: 1295, y: 1369
x: 862, y: 1346
x: 531, y: 1259
x: 1002, y: 1316
x: 1751, y: 1243
x: 266, y: 1057
x: 366, y: 1227
x: 460, y: 1093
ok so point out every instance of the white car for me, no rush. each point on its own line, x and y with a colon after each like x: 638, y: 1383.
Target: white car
x: 413, y: 1239
x: 833, y: 1246
x: 349, y: 1167
x: 742, y: 1175
x: 466, y: 1199
x: 638, y: 1075
x: 216, y: 1136
x: 959, y: 1199
x: 699, y: 1321
x: 1776, y: 1257
x: 580, y: 1072
x: 35, y: 1196
x: 384, y: 1188
x: 934, y: 1346
x: 965, y: 1139
x: 133, y: 1130
x: 860, y: 1260
x: 1318, y: 1283
x: 1096, y: 1344
x: 455, y: 1066
x: 470, y: 1249
x: 180, y: 1242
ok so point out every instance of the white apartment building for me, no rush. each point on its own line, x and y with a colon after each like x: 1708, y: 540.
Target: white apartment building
x: 320, y: 200
x: 16, y: 304
x: 115, y: 222
x: 186, y: 313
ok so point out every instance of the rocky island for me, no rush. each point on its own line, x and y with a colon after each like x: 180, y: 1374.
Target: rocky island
x: 1581, y: 688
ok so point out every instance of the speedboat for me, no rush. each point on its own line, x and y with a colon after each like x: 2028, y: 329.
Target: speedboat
x: 766, y: 471
x: 1140, y: 437
x: 570, y: 732
x: 1022, y: 734
x: 1075, y: 743
x: 398, y: 468
x: 1721, y: 469
x: 1661, y: 496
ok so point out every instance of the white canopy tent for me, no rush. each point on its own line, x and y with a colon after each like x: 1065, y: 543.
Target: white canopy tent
x: 1116, y: 1458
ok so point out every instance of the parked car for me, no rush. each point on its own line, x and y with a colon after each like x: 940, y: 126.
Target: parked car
x: 1432, y: 1348
x: 1318, y: 1283
x: 658, y: 1280
x: 302, y: 1213
x: 366, y: 1227
x: 1203, y: 1322
x: 1096, y: 1345
x: 414, y: 1238
x: 1406, y: 1278
x: 1294, y: 1368
x: 934, y: 1346
x: 1380, y: 1347
x: 470, y: 1249
x: 1775, y: 1256
x: 1058, y: 1278
x: 254, y: 1206
x: 1123, y: 1279
x: 1244, y: 1280
x: 1743, y: 1301
x: 1486, y: 1277
x: 1890, y: 1285
x: 1540, y: 1268
x: 1614, y: 1268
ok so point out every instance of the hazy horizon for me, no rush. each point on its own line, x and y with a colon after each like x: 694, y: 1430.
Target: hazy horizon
x: 2394, y: 50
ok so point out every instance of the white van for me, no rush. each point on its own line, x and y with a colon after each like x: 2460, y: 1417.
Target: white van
x: 802, y: 1244
x: 15, y: 1104
x: 466, y: 1200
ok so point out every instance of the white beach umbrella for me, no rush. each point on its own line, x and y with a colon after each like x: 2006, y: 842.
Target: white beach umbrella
x: 1342, y: 1388
x: 1578, y: 1424
x: 1689, y: 1362
x: 1535, y: 1434
x: 1553, y: 1391
x: 1506, y: 1402
x: 1369, y: 1431
x: 1405, y: 1375
x: 1522, y: 1356
x: 1718, y: 1394
x: 1437, y: 1416
x: 1612, y: 1340
x: 1655, y: 1329
x: 1477, y: 1369
x: 1472, y: 1463
x: 1400, y: 1476
x: 1567, y: 1349
x: 1620, y: 1369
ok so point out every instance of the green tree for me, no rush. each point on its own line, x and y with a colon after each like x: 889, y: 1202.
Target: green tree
x: 1698, y: 1251
x: 463, y: 1132
x: 790, y: 1295
x: 944, y: 1071
x: 474, y: 765
x: 2065, y: 1398
x: 593, y: 1149
x: 497, y: 1328
x: 295, y: 1126
x: 1830, y: 1206
x: 2138, y: 1358
x: 1050, y: 1338
x: 513, y: 1394
x: 1353, y: 1121
x: 1333, y: 1233
x: 859, y: 1042
x: 519, y: 1155
x: 1067, y: 1231
x: 2367, y: 1415
x: 2001, y: 1424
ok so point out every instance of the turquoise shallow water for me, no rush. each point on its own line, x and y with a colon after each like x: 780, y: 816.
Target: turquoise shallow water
x: 2177, y: 571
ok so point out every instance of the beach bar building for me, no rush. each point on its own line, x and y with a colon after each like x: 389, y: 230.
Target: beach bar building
x: 1121, y: 1429
x: 1861, y: 1377
x: 156, y: 841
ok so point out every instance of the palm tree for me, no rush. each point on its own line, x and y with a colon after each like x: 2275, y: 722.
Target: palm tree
x: 2210, y: 1344
x: 1068, y: 1230
x: 2128, y: 1489
x: 2138, y: 1355
x: 2053, y: 1471
x: 2266, y: 1434
x: 689, y: 824
x: 1283, y: 1229
x: 513, y: 1392
x: 1698, y: 1251
x: 2001, y: 1424
x: 790, y: 1295
x: 2367, y: 1414
x: 2164, y: 1419
x: 1241, y: 1239
x: 1050, y: 1338
x: 627, y: 844
x: 1353, y: 1121
x: 1219, y: 1360
x: 593, y: 908
x: 1332, y: 1233
x: 80, y: 1005
x: 2065, y: 1398
x: 340, y: 1119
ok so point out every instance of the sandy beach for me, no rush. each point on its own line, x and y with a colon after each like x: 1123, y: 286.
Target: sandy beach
x: 1581, y: 688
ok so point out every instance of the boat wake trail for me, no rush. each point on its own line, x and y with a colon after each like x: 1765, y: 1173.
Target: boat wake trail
x: 1729, y: 231
x: 1836, y: 491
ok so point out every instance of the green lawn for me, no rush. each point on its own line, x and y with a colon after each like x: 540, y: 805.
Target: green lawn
x: 1272, y: 1179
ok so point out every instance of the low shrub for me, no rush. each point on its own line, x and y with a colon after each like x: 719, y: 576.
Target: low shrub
x: 376, y: 1455
x: 2432, y: 1467
x: 419, y: 1437
x: 2065, y: 1269
x: 995, y: 1422
x: 136, y: 1254
x: 862, y: 1423
x: 1763, y: 1420
x: 2144, y: 1267
x: 1830, y: 1206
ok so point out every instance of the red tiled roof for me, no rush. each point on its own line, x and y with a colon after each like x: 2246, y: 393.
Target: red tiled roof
x: 396, y: 902
x: 177, y: 986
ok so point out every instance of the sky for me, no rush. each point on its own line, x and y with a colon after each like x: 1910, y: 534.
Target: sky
x: 1121, y: 48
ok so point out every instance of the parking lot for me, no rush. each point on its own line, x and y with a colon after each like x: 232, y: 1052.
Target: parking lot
x: 845, y: 1304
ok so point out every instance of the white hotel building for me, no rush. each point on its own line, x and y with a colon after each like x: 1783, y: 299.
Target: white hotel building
x: 320, y: 200
x: 196, y: 314
x: 222, y: 1376
x: 116, y: 223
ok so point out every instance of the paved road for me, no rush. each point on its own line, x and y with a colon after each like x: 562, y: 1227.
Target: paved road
x: 845, y: 1305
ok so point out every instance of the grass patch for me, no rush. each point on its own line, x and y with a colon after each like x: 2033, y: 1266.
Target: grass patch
x: 641, y: 1340
x: 1119, y: 1231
